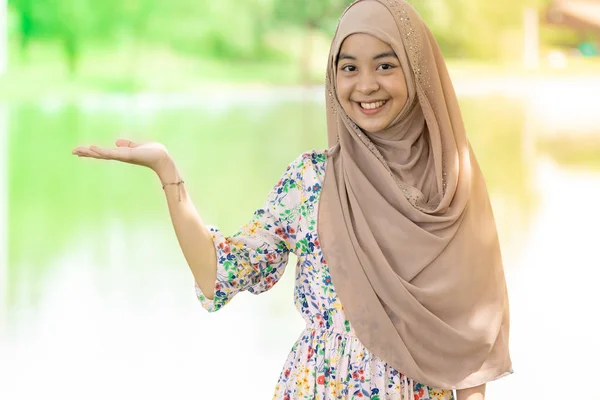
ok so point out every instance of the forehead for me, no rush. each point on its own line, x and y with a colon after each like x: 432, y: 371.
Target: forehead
x: 363, y: 44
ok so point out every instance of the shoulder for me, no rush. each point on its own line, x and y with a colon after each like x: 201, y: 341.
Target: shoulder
x: 310, y: 164
x: 306, y: 171
x: 303, y: 175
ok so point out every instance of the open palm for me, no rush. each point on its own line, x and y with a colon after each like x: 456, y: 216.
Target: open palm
x: 150, y: 155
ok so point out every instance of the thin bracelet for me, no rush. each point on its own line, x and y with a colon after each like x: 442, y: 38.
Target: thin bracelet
x: 179, y: 183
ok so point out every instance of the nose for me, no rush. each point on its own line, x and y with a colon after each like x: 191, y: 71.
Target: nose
x: 367, y: 83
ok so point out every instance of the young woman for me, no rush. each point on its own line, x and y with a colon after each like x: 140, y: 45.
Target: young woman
x: 399, y: 276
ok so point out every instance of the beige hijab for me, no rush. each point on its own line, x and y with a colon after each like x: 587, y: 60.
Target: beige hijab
x: 405, y: 220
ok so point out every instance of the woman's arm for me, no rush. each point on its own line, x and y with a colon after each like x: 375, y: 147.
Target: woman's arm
x: 475, y: 393
x: 194, y: 237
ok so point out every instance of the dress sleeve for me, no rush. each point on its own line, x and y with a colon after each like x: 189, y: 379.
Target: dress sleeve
x: 255, y: 257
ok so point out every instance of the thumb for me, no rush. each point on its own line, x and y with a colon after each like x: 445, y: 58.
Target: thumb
x: 125, y: 143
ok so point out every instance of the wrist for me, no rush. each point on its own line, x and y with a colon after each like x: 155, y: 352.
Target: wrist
x: 167, y: 171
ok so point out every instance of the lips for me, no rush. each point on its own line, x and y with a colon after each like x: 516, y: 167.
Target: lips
x: 372, y: 107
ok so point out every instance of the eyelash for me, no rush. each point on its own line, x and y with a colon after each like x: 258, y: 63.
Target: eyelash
x: 389, y: 67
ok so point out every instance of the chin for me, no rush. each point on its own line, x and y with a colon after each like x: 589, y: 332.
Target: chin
x: 371, y: 127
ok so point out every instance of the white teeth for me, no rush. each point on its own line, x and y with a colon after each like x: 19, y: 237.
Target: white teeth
x: 371, y: 106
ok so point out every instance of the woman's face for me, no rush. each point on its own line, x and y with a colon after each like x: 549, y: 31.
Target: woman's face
x: 370, y: 82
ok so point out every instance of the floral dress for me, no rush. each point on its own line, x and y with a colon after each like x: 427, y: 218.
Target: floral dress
x: 328, y: 361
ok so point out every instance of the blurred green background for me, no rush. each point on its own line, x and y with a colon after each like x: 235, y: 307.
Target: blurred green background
x: 96, y: 300
x: 65, y: 47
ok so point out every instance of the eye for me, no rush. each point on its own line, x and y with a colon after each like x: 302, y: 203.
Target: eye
x: 348, y: 68
x: 385, y: 67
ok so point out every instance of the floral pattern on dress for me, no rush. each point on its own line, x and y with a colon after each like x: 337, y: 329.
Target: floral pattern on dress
x: 328, y: 361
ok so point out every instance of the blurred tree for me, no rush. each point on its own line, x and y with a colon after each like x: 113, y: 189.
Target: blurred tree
x: 62, y: 20
x: 237, y: 29
x: 310, y: 15
x: 26, y: 23
x: 224, y: 29
x: 70, y: 20
x: 475, y: 29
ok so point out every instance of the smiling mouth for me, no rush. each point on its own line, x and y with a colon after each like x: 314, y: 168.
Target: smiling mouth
x: 372, y: 107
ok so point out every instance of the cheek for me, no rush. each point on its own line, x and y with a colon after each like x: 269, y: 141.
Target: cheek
x: 400, y: 92
x: 344, y: 90
x: 404, y: 89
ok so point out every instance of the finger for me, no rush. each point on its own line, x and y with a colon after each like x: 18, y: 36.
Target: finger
x: 126, y: 143
x: 78, y: 149
x: 100, y: 153
x: 108, y: 154
x: 86, y: 152
x: 118, y: 154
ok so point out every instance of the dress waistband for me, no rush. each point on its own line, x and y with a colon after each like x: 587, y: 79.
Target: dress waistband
x: 319, y: 330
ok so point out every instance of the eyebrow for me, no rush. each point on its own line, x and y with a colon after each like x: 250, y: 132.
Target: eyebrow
x: 344, y: 56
